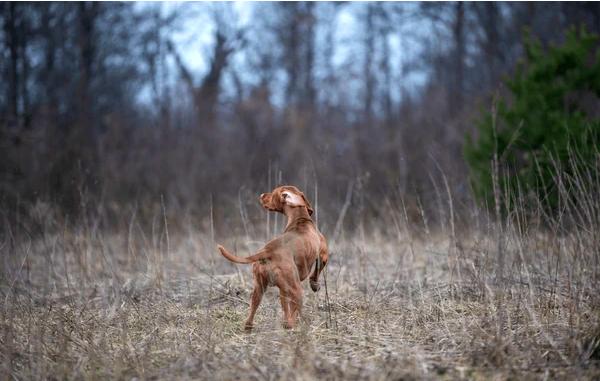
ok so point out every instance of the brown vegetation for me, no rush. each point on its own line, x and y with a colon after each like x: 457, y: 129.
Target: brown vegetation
x: 121, y: 167
x: 474, y: 299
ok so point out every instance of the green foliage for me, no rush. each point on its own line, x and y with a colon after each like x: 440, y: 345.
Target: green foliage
x: 546, y: 126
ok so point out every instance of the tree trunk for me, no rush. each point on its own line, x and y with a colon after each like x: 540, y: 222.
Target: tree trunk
x: 368, y: 63
x: 10, y: 29
x: 456, y: 94
x: 87, y: 13
x: 49, y: 61
x: 24, y: 91
x: 309, y: 89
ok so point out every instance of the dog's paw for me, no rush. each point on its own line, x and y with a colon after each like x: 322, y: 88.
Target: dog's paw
x: 287, y: 325
x: 248, y: 327
x: 315, y: 286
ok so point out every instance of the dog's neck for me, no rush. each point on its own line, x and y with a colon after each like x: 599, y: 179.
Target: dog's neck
x: 297, y: 217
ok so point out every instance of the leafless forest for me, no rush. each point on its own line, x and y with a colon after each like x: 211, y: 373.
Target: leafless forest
x: 133, y: 137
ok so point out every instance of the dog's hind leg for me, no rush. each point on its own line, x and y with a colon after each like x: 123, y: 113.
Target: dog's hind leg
x: 257, y: 294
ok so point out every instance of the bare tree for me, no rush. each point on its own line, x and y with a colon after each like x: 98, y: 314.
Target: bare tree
x: 227, y: 40
x: 459, y: 56
x: 369, y: 56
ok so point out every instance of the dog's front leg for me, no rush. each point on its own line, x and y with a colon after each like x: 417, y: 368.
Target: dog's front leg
x: 320, y: 264
x: 291, y: 304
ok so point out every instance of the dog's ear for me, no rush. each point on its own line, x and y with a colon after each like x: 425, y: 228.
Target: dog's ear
x: 308, y: 206
x: 272, y: 201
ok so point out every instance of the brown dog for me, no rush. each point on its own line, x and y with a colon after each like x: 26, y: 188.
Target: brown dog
x: 286, y: 260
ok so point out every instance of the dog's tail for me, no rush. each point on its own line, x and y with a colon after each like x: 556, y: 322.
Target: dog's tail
x: 251, y: 259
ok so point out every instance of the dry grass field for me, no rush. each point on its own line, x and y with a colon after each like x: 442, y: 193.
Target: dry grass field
x: 493, y: 301
x: 451, y: 152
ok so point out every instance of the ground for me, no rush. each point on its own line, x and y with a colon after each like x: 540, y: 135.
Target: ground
x: 404, y: 306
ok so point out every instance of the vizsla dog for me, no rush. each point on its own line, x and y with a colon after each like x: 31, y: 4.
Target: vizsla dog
x: 286, y: 260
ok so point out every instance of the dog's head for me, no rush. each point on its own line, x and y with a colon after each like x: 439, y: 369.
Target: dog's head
x: 285, y: 195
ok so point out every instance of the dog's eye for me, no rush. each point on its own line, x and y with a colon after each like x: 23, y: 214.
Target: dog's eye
x: 284, y: 195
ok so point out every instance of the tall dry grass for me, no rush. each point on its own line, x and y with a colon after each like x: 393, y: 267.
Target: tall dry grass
x: 474, y: 295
